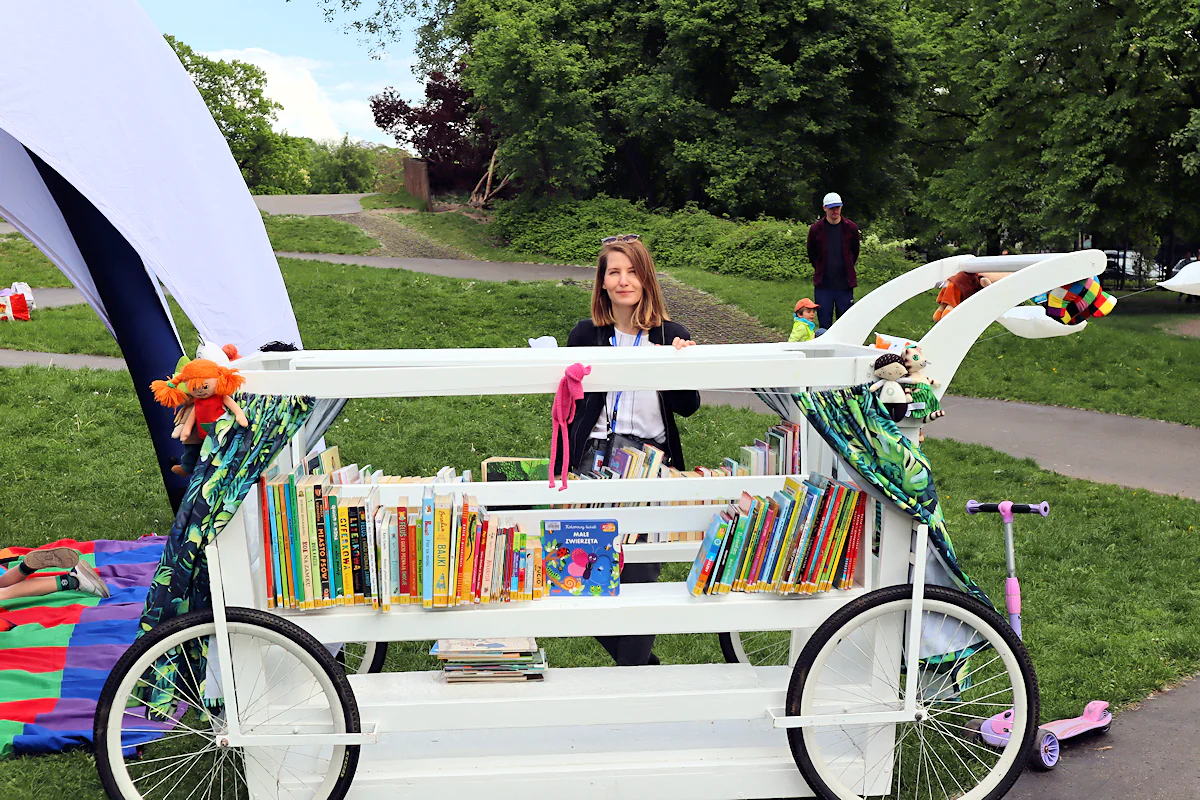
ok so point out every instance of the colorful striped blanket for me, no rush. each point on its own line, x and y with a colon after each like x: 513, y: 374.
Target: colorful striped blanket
x: 56, y: 651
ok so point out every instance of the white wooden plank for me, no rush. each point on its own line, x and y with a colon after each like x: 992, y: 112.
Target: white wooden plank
x: 640, y: 609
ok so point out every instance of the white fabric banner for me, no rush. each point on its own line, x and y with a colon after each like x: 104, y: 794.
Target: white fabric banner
x: 95, y: 91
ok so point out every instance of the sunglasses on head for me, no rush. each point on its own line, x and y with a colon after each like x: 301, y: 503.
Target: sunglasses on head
x: 624, y: 237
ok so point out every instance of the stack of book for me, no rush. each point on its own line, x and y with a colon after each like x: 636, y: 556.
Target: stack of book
x: 805, y: 538
x: 490, y: 660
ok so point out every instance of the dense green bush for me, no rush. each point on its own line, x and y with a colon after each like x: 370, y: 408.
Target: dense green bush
x: 765, y: 249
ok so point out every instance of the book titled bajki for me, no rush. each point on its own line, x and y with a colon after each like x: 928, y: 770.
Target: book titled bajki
x: 582, y: 557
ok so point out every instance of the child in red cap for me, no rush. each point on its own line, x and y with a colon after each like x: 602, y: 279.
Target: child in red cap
x: 805, y: 326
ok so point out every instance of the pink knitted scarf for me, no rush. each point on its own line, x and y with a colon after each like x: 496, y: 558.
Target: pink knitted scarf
x: 570, y: 391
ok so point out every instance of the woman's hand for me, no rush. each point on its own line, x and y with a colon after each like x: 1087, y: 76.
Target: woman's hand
x: 681, y: 343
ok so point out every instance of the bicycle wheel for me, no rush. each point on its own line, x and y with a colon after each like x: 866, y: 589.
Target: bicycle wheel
x: 362, y: 658
x: 972, y: 668
x: 757, y: 648
x: 159, y: 726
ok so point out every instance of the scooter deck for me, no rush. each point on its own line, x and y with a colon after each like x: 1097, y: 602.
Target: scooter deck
x: 1095, y: 715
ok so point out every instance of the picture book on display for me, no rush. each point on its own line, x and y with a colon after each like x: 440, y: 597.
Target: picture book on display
x: 803, y: 539
x: 582, y: 557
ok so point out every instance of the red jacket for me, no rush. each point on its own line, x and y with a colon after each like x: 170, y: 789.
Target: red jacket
x: 851, y: 239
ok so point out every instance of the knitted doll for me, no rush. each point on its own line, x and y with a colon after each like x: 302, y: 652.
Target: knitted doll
x: 889, y: 368
x: 210, y: 387
x: 920, y: 385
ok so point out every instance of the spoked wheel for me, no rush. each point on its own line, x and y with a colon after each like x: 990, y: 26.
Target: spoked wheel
x: 972, y: 668
x: 160, y: 726
x: 757, y: 648
x: 362, y: 658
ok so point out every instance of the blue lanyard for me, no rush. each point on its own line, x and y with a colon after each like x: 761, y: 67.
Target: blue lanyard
x: 612, y: 422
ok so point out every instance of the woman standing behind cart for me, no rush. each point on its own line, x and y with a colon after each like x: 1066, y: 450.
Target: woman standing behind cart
x: 628, y: 311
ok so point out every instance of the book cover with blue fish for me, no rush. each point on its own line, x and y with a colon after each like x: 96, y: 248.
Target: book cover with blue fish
x: 582, y: 557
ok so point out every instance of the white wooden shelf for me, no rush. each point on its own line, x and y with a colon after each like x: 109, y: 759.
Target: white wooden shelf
x: 424, y: 701
x: 641, y: 608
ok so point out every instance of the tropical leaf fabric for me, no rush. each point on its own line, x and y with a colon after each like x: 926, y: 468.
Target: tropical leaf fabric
x: 231, y: 461
x: 855, y: 424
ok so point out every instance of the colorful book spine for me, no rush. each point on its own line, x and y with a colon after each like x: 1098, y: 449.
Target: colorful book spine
x: 414, y: 555
x: 347, y: 597
x: 297, y: 576
x: 275, y: 550
x: 427, y: 510
x: 705, y: 557
x: 443, y: 513
x: 489, y: 561
x: 322, y: 545
x: 265, y: 515
x: 370, y: 538
x: 397, y: 521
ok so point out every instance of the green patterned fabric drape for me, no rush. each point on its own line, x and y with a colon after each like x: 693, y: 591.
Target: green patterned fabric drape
x: 856, y: 425
x: 230, y: 464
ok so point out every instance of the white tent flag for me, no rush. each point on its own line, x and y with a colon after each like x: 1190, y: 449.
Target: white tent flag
x: 1031, y: 322
x: 1186, y: 281
x: 93, y: 91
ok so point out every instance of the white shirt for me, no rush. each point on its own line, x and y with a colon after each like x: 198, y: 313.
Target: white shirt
x: 638, y: 413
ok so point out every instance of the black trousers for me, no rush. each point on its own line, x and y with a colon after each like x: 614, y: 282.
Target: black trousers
x: 627, y: 651
x: 632, y: 651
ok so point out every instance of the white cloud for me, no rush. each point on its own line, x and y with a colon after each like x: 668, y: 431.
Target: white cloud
x: 308, y: 108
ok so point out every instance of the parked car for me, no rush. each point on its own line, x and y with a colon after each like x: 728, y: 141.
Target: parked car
x: 1122, y: 267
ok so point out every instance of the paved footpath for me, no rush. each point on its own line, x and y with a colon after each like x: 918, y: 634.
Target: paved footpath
x: 493, y: 271
x: 309, y: 205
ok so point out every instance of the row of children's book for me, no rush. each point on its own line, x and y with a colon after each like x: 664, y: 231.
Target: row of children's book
x: 328, y: 549
x: 803, y: 539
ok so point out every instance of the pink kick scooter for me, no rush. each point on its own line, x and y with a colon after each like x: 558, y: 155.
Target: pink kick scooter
x: 996, y: 730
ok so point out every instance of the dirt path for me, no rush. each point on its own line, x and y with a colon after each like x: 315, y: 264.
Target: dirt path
x: 1189, y: 328
x: 399, y: 241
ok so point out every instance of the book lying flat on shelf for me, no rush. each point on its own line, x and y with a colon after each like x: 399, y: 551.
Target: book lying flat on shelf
x: 490, y: 660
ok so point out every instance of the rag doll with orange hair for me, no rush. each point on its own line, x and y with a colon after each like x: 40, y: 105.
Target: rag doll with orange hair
x: 209, y: 387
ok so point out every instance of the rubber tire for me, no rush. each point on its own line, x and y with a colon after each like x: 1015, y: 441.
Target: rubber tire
x: 844, y: 615
x: 377, y: 660
x: 248, y: 616
x: 1036, y: 760
x: 727, y: 648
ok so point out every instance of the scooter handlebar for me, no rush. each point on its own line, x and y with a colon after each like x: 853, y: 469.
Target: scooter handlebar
x: 1007, y: 508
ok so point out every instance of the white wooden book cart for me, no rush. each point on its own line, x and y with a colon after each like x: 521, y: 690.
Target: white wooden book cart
x: 880, y: 694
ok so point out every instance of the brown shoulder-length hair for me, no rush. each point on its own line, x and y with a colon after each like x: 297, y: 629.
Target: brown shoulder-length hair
x: 651, y: 309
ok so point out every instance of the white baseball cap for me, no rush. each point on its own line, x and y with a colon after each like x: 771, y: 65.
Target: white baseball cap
x: 832, y: 199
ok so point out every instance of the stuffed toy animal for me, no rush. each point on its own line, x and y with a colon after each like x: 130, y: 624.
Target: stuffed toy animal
x: 1077, y: 302
x: 209, y: 387
x: 889, y: 369
x: 926, y: 406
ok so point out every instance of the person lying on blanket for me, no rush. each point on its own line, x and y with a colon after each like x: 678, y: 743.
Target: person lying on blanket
x: 19, y: 581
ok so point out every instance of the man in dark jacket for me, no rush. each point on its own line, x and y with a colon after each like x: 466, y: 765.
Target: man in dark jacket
x: 833, y: 245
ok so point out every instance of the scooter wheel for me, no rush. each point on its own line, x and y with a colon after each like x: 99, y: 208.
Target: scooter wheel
x: 1045, y: 751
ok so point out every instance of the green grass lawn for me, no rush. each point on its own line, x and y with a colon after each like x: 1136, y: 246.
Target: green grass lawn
x: 457, y: 230
x: 21, y: 261
x: 292, y: 233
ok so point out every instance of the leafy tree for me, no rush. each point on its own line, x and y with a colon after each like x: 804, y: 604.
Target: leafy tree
x: 341, y: 167
x: 447, y: 130
x: 746, y: 106
x: 1076, y: 117
x: 233, y: 91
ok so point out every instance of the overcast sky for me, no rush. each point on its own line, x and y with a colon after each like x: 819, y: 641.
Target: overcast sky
x: 320, y: 74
